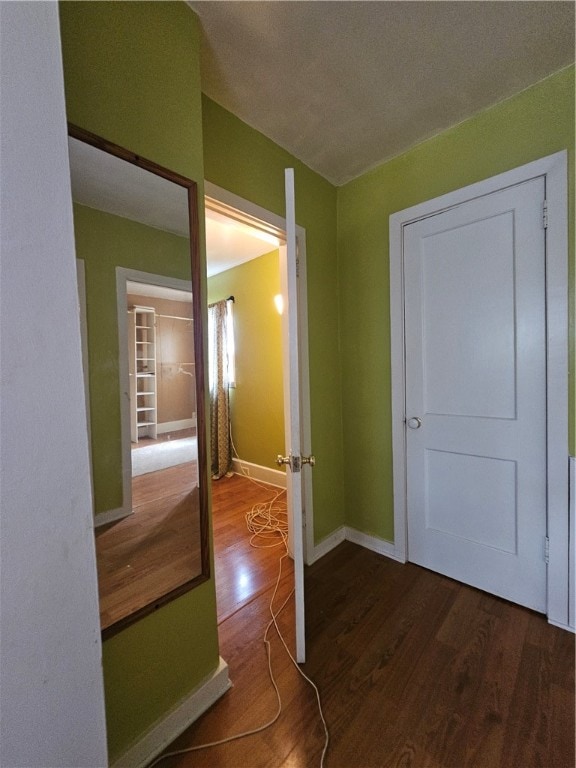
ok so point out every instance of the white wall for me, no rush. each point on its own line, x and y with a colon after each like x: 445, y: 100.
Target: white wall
x: 52, y: 703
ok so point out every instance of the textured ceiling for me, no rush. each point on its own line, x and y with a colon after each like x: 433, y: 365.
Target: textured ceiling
x: 346, y: 85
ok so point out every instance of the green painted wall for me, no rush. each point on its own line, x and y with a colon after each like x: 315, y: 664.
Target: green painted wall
x: 105, y: 242
x: 132, y: 75
x: 257, y: 401
x: 535, y: 123
x: 245, y: 162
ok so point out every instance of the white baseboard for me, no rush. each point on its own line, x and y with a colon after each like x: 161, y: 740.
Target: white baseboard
x: 373, y: 543
x: 174, y: 426
x: 172, y: 725
x: 265, y: 474
x: 346, y: 533
x: 567, y: 627
x: 327, y: 544
x: 111, y: 516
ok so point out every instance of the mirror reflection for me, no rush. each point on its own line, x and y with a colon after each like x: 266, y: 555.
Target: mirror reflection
x: 138, y: 278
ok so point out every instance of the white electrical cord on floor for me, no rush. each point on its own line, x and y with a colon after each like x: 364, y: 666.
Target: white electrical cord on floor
x: 269, y: 522
x: 264, y: 521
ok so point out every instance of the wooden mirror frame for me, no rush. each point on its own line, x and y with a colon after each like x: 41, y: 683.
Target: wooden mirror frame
x: 98, y: 142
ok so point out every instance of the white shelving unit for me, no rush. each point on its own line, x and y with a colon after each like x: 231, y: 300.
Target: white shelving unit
x: 142, y: 335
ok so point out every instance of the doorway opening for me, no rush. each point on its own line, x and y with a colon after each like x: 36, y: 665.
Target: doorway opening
x: 243, y: 260
x: 247, y: 397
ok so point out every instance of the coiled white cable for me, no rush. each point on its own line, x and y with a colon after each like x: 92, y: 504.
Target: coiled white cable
x: 268, y: 524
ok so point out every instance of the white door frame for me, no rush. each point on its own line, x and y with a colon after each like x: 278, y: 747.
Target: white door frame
x: 554, y: 170
x: 278, y: 223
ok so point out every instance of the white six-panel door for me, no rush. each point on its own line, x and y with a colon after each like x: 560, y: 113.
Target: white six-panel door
x: 475, y: 335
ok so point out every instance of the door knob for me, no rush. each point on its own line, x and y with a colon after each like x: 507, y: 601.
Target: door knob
x: 294, y: 462
x: 415, y: 422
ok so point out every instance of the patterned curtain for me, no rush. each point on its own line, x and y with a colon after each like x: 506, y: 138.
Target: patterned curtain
x: 219, y: 398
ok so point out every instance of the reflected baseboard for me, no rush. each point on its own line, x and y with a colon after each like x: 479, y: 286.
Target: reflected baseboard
x: 112, y: 516
x: 175, y: 426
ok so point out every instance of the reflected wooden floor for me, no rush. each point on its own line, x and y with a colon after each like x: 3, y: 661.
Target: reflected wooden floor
x: 154, y: 550
x: 415, y: 671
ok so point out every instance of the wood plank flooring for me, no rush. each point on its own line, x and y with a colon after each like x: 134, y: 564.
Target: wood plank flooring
x: 153, y: 551
x: 242, y: 571
x: 156, y: 549
x: 414, y: 670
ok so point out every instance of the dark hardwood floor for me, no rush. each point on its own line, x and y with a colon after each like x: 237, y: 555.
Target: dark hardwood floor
x: 414, y: 670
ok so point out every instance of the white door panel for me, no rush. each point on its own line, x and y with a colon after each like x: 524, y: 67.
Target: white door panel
x: 488, y: 518
x: 475, y: 377
x: 292, y: 421
x: 469, y: 364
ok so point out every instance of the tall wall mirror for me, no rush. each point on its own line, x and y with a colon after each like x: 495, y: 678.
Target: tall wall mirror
x: 136, y: 230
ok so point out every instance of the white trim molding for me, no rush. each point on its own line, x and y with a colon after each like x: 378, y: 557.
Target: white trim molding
x: 112, y: 516
x: 347, y: 533
x: 163, y: 733
x: 327, y: 544
x: 554, y: 170
x: 258, y: 472
x: 374, y: 544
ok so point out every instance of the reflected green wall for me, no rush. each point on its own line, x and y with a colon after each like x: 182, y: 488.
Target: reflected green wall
x: 535, y: 123
x: 245, y: 162
x: 105, y: 242
x: 257, y: 401
x: 132, y: 75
